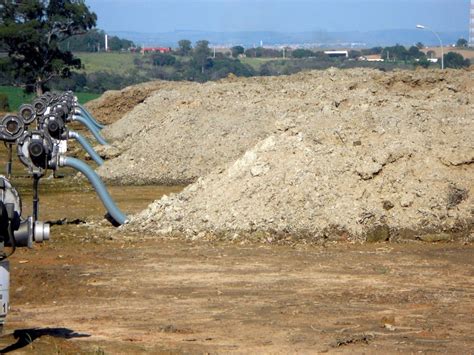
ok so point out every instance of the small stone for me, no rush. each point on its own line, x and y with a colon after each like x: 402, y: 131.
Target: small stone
x: 387, y: 205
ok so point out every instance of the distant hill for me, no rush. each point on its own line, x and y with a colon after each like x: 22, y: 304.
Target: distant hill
x: 319, y: 38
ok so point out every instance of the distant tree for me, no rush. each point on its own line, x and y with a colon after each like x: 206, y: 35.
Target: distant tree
x: 423, y: 62
x: 461, y: 43
x: 302, y: 53
x: 254, y: 52
x: 415, y: 53
x: 237, y: 50
x: 201, y: 53
x: 31, y: 31
x: 397, y: 52
x: 118, y: 44
x: 93, y: 41
x: 184, y: 48
x: 223, y: 67
x: 419, y: 45
x: 455, y: 61
x: 88, y: 42
x: 162, y: 59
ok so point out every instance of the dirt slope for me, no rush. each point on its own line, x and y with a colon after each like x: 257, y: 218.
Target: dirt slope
x: 114, y: 104
x: 184, y: 130
x: 355, y: 154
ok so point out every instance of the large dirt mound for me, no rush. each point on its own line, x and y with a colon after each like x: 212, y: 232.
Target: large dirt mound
x: 377, y: 157
x: 114, y: 104
x: 184, y: 130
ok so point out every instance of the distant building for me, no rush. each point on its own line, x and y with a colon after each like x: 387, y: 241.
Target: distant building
x: 371, y: 58
x: 338, y: 54
x: 155, y: 50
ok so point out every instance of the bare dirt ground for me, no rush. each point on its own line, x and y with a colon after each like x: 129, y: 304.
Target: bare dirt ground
x: 92, y: 291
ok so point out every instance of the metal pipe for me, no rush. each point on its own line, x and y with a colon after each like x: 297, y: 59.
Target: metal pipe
x: 36, y: 180
x: 10, y: 161
x: 98, y: 185
x: 91, y: 128
x: 86, y: 145
x: 88, y: 114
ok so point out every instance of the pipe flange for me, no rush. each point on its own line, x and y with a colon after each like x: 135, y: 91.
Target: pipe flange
x: 27, y: 113
x: 40, y: 106
x: 11, y: 128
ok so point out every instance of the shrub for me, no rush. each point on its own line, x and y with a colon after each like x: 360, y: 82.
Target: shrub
x: 162, y: 59
x: 455, y: 60
x: 302, y: 53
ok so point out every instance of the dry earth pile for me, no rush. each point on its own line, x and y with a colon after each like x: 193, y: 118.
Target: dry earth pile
x: 114, y: 104
x: 185, y: 130
x: 345, y: 154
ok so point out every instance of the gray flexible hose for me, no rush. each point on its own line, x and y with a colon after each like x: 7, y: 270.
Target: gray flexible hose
x: 89, y: 115
x: 91, y: 121
x: 98, y: 185
x: 86, y: 145
x: 91, y: 128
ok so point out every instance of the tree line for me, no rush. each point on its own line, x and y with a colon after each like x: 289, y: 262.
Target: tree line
x: 94, y: 41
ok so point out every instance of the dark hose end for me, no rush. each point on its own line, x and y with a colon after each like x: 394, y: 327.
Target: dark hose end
x: 112, y: 220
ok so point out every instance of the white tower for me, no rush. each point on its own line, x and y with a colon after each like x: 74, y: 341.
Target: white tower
x: 107, y: 42
x: 471, y: 24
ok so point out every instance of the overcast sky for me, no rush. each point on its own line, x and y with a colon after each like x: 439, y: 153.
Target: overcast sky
x: 279, y: 15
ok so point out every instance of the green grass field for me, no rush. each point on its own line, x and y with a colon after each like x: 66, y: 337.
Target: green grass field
x: 16, y: 97
x: 118, y: 63
x: 256, y: 63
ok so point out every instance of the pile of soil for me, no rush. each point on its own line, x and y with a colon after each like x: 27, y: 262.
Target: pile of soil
x: 184, y: 130
x: 336, y: 154
x: 114, y: 104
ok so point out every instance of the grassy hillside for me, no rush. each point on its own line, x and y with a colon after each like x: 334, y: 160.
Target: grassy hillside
x: 256, y: 63
x: 16, y: 96
x: 118, y: 63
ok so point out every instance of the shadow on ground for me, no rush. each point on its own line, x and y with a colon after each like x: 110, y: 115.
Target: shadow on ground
x: 27, y: 336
